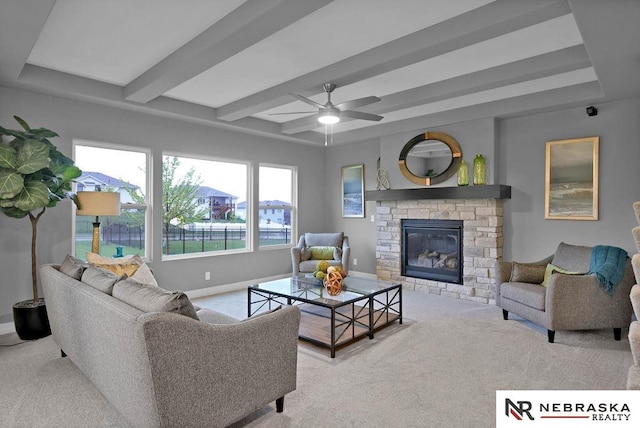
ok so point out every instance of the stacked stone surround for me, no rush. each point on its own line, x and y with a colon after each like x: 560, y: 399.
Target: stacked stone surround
x: 482, y: 243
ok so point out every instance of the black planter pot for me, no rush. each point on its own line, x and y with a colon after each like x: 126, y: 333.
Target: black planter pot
x: 31, y: 320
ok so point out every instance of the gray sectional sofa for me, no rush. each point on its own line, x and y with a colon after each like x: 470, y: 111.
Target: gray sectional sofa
x: 164, y: 369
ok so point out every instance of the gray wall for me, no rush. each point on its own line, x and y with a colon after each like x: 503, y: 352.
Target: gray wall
x: 528, y: 236
x: 361, y: 231
x: 72, y: 119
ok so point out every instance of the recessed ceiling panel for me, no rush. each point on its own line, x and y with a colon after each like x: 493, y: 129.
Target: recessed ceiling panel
x: 116, y: 41
x: 532, y: 86
x: 334, y: 32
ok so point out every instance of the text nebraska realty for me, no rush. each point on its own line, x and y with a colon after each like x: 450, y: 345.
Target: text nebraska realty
x: 598, y: 411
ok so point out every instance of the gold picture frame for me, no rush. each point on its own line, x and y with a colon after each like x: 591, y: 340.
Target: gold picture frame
x: 353, y: 191
x: 571, y: 179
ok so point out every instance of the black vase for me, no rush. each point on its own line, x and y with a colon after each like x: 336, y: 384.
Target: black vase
x: 31, y: 320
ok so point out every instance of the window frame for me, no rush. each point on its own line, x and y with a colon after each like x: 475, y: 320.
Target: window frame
x: 248, y: 221
x: 148, y: 196
x: 293, y: 227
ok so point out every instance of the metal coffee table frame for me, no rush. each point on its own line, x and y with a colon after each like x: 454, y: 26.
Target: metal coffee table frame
x: 328, y: 321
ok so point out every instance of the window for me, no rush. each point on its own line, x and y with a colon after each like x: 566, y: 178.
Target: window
x: 114, y: 169
x: 277, y: 191
x: 192, y: 227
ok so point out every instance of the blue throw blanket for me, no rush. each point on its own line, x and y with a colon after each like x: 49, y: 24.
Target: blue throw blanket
x: 607, y: 263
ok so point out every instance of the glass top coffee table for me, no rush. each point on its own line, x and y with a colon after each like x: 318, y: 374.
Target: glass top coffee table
x: 362, y: 307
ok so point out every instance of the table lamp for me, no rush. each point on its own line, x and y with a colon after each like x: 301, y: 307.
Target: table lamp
x: 97, y: 204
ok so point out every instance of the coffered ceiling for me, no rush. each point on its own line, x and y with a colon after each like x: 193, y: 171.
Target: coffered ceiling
x: 235, y: 63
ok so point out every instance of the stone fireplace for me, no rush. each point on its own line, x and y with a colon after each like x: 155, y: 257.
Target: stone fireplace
x: 482, y: 237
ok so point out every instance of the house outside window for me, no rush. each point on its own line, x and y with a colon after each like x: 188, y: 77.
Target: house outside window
x: 277, y: 196
x: 200, y: 198
x: 112, y: 168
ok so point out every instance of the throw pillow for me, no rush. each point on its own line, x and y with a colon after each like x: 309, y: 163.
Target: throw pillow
x: 98, y: 259
x: 125, y: 268
x: 73, y: 267
x: 337, y: 254
x: 305, y: 254
x: 118, y: 265
x: 533, y: 274
x: 101, y: 279
x: 153, y: 299
x: 145, y: 276
x: 551, y: 268
x: 322, y: 253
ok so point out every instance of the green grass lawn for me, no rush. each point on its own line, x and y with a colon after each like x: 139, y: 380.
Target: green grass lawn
x: 175, y: 247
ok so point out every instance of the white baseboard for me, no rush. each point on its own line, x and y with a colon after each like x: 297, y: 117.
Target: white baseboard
x: 219, y: 289
x: 7, y: 328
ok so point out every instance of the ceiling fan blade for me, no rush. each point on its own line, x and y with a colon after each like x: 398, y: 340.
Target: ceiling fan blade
x: 348, y: 105
x: 307, y: 100
x: 294, y: 112
x: 360, y: 115
x: 303, y: 124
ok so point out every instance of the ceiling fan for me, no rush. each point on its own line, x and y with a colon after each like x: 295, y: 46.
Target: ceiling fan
x: 329, y: 113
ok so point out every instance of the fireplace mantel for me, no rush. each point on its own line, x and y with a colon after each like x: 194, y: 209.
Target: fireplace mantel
x: 490, y: 191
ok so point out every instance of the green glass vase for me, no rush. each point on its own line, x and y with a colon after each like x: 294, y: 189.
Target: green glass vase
x: 479, y: 170
x: 463, y: 173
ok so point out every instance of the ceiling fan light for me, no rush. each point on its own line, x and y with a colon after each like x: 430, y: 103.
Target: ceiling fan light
x: 328, y: 117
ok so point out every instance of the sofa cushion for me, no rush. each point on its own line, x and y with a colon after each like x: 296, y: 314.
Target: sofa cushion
x: 277, y: 308
x: 73, y: 267
x: 532, y: 295
x: 573, y: 258
x: 324, y: 239
x: 213, y: 317
x: 153, y: 299
x: 531, y: 273
x: 312, y: 265
x: 101, y: 279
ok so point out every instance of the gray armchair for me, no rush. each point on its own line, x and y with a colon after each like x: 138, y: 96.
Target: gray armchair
x: 568, y: 301
x: 303, y: 259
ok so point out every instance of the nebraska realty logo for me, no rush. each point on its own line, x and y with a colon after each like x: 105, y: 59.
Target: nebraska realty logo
x: 567, y: 408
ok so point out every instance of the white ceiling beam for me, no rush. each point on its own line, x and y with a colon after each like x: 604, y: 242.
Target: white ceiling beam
x: 614, y: 49
x: 544, y: 101
x: 57, y: 83
x: 560, y: 61
x: 249, y: 23
x: 487, y: 22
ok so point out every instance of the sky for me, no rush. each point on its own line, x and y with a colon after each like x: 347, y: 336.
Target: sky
x: 213, y: 174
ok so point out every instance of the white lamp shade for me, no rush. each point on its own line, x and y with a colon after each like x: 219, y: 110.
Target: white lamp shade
x: 98, y: 203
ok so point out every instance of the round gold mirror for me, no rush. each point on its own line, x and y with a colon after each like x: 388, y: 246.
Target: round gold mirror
x: 430, y: 158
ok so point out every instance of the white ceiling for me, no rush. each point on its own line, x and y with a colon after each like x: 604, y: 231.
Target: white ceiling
x: 234, y: 63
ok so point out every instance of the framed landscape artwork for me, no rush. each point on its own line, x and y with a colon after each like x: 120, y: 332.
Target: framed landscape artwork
x: 571, y: 179
x: 353, y: 191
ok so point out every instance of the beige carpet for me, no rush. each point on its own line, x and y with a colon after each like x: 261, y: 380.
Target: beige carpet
x: 441, y: 368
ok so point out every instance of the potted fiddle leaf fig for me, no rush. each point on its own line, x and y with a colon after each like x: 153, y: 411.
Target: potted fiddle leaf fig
x: 34, y: 176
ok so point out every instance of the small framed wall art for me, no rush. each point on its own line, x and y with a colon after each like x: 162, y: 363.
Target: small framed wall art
x: 353, y: 191
x: 571, y: 179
